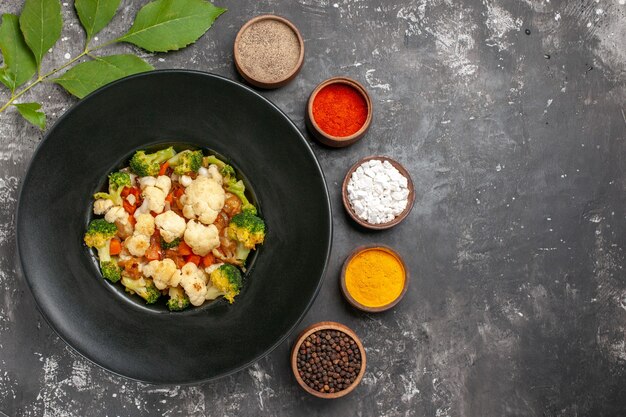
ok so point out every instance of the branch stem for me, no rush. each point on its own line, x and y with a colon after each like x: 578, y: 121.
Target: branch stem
x: 43, y: 77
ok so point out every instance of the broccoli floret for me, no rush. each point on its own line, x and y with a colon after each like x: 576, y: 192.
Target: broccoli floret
x: 237, y: 188
x: 241, y: 253
x: 170, y: 245
x: 226, y: 170
x: 117, y: 182
x: 98, y: 236
x: 144, y: 164
x: 110, y: 270
x: 212, y: 160
x: 186, y: 162
x: 143, y: 287
x: 226, y: 281
x: 178, y: 299
x: 247, y: 228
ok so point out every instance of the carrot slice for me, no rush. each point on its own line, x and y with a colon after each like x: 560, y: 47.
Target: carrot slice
x: 169, y: 198
x: 195, y: 259
x: 208, y: 260
x: 130, y: 208
x: 125, y: 192
x: 164, y: 167
x: 184, y: 248
x: 179, y: 192
x: 115, y: 247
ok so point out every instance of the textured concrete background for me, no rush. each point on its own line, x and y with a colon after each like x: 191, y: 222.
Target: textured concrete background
x: 510, y: 116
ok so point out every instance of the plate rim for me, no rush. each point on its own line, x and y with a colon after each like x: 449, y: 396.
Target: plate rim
x: 24, y: 180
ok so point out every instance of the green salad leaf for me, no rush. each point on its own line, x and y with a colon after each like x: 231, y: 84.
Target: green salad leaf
x: 168, y: 25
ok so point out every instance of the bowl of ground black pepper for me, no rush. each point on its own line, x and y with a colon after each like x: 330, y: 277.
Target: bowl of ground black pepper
x: 339, y: 112
x: 328, y: 360
x: 269, y: 51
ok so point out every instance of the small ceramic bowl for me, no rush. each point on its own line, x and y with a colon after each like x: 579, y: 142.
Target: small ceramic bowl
x: 327, y: 325
x: 338, y: 141
x: 399, y: 217
x: 355, y: 303
x: 264, y: 83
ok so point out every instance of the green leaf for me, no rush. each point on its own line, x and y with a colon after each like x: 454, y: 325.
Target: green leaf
x: 168, y: 25
x: 19, y: 61
x: 30, y: 112
x: 41, y: 25
x: 95, y: 14
x: 91, y: 75
x: 6, y: 77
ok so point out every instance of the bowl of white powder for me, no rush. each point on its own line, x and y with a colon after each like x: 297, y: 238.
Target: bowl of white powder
x: 378, y: 192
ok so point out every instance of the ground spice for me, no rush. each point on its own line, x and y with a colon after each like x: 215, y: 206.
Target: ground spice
x: 339, y: 110
x: 329, y: 361
x: 268, y: 51
x: 375, y: 277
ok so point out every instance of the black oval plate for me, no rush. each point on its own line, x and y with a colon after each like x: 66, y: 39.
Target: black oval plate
x: 207, y: 111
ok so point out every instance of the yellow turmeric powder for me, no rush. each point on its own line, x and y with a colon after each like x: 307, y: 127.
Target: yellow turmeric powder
x: 375, y: 277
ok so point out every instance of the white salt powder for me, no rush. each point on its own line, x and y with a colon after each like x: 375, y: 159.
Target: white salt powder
x: 377, y: 192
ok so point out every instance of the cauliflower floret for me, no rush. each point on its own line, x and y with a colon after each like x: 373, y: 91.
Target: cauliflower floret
x: 145, y: 224
x: 118, y: 215
x: 203, y: 200
x: 137, y: 244
x: 143, y: 208
x: 194, y: 283
x: 101, y: 206
x: 154, y: 197
x: 154, y: 192
x: 214, y: 174
x: 175, y: 278
x: 213, y: 267
x: 161, y: 272
x: 202, y: 239
x: 171, y: 225
x: 164, y: 183
x: 185, y: 180
x: 147, y: 182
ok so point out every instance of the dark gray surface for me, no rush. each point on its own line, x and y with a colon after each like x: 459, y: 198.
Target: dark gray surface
x: 517, y: 304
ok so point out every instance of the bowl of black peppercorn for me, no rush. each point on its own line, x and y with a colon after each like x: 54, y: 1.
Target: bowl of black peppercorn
x: 328, y: 360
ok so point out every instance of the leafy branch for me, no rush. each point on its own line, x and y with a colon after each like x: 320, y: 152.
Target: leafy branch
x: 160, y: 26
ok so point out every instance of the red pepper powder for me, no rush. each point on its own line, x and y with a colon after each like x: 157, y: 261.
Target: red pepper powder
x: 339, y: 110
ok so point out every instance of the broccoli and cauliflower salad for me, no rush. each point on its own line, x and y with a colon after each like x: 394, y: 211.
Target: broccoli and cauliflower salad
x: 175, y: 225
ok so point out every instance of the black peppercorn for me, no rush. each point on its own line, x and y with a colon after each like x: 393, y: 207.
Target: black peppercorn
x: 328, y: 361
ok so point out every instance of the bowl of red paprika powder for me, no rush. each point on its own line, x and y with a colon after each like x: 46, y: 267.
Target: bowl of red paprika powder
x: 339, y: 112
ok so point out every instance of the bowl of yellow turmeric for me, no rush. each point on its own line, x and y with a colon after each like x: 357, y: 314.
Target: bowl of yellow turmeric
x: 374, y: 278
